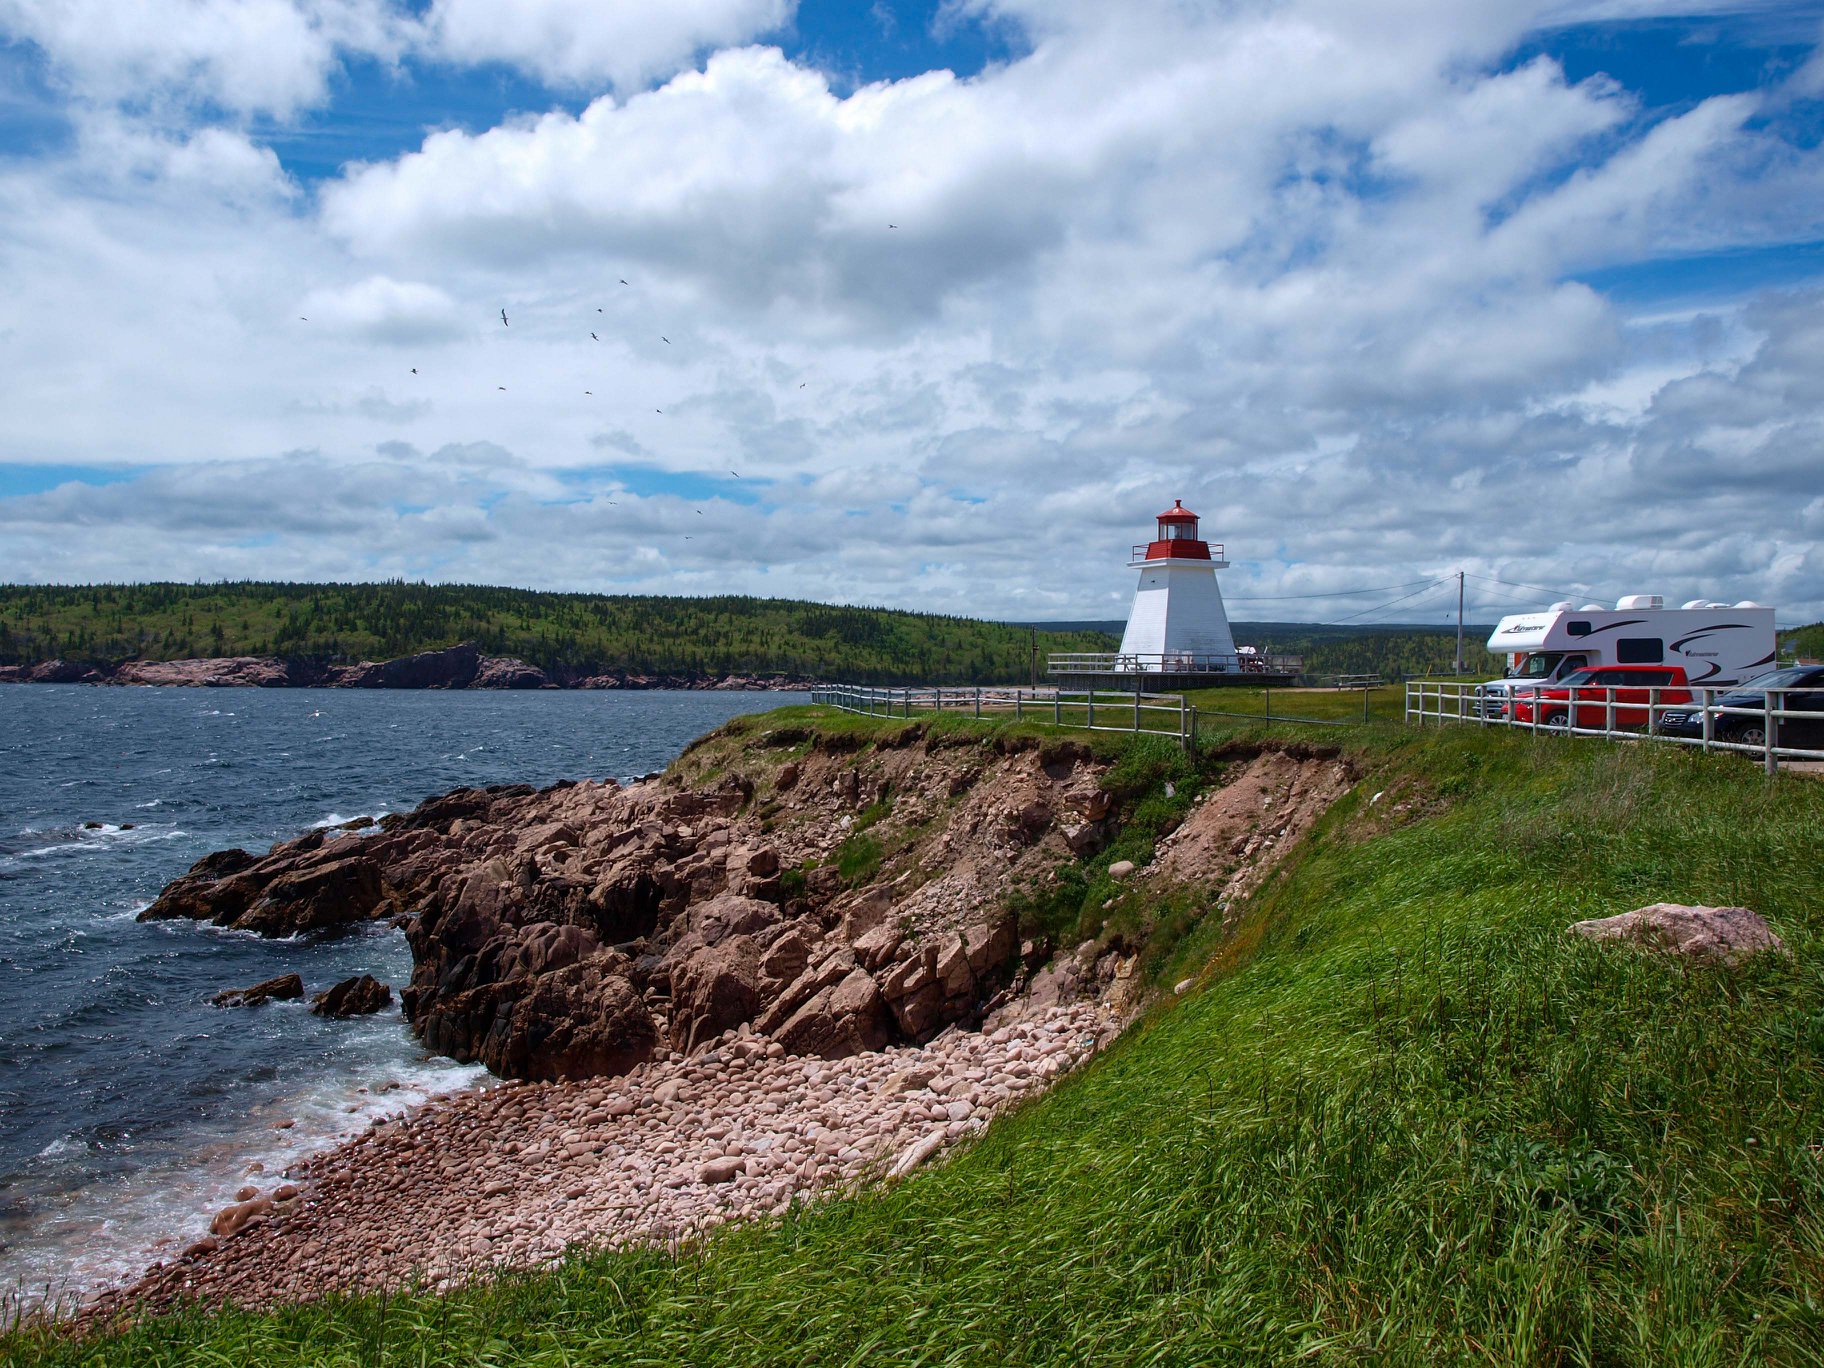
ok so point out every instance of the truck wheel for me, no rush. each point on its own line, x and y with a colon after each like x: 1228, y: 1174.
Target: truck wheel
x: 1753, y: 734
x: 1558, y: 721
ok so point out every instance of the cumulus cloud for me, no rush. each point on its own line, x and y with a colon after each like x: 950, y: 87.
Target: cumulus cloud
x: 620, y: 43
x: 1326, y: 271
x: 247, y: 56
x: 381, y: 309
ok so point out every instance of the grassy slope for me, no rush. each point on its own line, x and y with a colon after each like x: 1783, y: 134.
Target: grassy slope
x: 1402, y: 1118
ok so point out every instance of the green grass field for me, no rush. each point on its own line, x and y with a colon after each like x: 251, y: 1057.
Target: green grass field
x: 1401, y: 1118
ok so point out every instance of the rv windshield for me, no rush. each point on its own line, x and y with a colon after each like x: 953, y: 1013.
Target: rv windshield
x: 1537, y: 666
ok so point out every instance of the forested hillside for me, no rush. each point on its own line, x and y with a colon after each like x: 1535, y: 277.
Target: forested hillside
x: 564, y: 634
x: 581, y: 634
x: 1803, y: 643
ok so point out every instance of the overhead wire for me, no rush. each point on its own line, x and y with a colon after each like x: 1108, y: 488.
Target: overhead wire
x: 1334, y: 593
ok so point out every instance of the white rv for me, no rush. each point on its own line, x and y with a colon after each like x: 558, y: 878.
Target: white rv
x: 1714, y: 643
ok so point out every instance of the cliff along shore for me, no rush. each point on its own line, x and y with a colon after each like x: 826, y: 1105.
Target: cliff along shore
x: 455, y: 667
x: 793, y: 963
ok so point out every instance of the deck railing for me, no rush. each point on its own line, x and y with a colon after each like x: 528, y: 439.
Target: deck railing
x: 1634, y: 714
x: 1241, y: 663
x: 1090, y: 709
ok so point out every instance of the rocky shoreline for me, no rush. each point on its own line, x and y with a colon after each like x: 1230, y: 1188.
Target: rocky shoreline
x: 455, y: 667
x: 786, y: 967
x: 514, y: 1176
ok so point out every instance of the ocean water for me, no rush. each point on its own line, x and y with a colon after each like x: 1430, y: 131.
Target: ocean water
x: 130, y: 1108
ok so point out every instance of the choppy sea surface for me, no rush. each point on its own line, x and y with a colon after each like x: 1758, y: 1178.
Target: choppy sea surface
x: 130, y: 1108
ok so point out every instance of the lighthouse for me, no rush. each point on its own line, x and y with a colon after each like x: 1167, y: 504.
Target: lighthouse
x: 1178, y: 621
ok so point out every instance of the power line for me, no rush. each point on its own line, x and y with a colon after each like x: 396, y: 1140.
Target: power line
x: 1380, y: 607
x: 1334, y: 593
x: 1512, y: 584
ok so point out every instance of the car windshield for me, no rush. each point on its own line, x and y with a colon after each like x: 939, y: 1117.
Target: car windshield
x: 1790, y: 678
x: 1536, y: 666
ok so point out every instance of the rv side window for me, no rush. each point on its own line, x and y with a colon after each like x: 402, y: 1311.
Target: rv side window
x: 1640, y: 650
x: 1576, y: 629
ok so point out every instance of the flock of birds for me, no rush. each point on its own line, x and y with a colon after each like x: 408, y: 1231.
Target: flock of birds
x: 506, y: 323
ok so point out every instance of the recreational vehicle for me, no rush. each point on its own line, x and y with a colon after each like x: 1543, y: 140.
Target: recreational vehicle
x: 1716, y: 644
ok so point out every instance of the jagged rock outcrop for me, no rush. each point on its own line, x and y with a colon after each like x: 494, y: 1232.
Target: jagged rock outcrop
x: 284, y: 988
x: 452, y: 668
x: 462, y: 666
x: 362, y: 995
x: 250, y: 672
x: 308, y: 884
x: 587, y: 927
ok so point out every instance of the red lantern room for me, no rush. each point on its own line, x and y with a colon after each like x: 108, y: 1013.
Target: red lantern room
x: 1178, y: 539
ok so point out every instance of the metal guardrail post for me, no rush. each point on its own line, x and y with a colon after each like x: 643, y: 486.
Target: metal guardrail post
x: 1090, y: 706
x: 1136, y: 710
x: 1057, y: 707
x: 1364, y: 704
x: 1709, y: 718
x: 978, y: 700
x: 1769, y: 761
x: 1019, y: 712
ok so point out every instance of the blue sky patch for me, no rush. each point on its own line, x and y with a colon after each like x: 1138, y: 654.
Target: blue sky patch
x: 16, y: 480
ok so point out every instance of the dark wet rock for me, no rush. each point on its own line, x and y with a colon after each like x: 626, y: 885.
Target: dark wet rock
x: 284, y: 988
x: 362, y: 995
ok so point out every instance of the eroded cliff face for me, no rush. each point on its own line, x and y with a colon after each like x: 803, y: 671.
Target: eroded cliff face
x: 831, y: 897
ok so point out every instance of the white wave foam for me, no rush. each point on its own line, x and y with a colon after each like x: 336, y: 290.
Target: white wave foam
x: 85, y: 1243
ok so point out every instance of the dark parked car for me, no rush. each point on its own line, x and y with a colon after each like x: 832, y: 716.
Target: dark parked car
x: 1806, y: 685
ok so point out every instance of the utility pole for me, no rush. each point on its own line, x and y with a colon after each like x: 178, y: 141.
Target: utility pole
x: 1460, y: 666
x: 1035, y: 658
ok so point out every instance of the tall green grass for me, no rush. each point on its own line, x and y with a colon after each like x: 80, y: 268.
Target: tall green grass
x: 1402, y: 1118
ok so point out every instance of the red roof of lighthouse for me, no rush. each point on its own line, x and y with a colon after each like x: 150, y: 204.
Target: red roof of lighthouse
x: 1177, y: 513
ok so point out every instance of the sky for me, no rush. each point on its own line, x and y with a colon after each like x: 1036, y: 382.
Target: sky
x: 931, y: 304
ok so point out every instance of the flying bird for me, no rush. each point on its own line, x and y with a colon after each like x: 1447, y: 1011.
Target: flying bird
x: 414, y: 370
x: 302, y: 319
x: 735, y: 473
x: 892, y: 225
x: 594, y: 338
x: 801, y: 386
x: 658, y: 410
x: 598, y: 309
x: 666, y: 341
x: 622, y: 281
x: 501, y: 388
x: 503, y: 318
x: 590, y: 393
x: 698, y: 512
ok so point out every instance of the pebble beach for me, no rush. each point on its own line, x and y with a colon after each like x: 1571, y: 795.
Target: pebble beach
x: 512, y: 1176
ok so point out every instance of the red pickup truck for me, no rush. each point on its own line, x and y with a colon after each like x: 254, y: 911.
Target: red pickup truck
x: 1589, y: 694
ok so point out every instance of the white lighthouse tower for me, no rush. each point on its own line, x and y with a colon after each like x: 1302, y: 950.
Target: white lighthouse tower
x: 1178, y: 622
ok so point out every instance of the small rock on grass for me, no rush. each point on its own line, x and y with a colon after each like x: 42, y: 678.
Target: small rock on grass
x: 1715, y: 935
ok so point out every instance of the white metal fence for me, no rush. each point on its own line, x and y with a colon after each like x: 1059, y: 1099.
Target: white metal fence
x: 1240, y: 664
x: 1092, y: 709
x: 1782, y: 734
